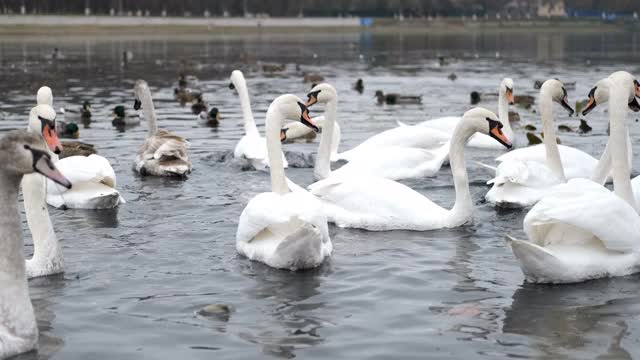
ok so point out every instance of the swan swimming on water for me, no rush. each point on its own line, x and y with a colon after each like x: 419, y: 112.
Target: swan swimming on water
x: 21, y: 153
x: 284, y: 228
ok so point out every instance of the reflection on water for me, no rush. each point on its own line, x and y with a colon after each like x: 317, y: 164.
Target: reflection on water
x: 576, y: 320
x: 293, y: 316
x: 138, y: 275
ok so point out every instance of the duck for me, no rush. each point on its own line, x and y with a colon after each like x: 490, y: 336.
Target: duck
x: 448, y: 124
x: 77, y: 148
x: 283, y: 228
x: 525, y: 101
x: 524, y: 175
x: 390, y: 162
x: 121, y: 119
x: 78, y: 115
x: 580, y: 230
x: 252, y: 147
x: 199, y: 105
x: 312, y: 78
x: 397, y: 99
x: 67, y: 130
x: 211, y: 118
x: 185, y: 95
x: 378, y: 204
x: 359, y: 86
x: 21, y: 153
x: 93, y: 177
x: 163, y: 153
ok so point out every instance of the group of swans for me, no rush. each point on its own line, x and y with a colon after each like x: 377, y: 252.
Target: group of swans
x: 252, y: 146
x: 21, y: 153
x: 580, y: 230
x: 286, y: 228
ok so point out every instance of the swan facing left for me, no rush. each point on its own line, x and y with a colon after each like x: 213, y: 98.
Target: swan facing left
x: 21, y: 153
x: 163, y: 153
x: 284, y: 228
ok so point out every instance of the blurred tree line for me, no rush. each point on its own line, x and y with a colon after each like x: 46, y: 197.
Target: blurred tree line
x: 298, y: 7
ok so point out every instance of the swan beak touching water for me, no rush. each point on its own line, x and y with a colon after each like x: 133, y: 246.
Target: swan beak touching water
x: 509, y: 93
x: 50, y: 135
x: 42, y: 164
x: 495, y: 131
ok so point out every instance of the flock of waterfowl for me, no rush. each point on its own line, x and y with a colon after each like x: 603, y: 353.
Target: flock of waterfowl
x: 577, y: 228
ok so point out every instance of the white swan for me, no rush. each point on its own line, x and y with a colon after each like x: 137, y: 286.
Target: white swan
x: 581, y: 230
x: 252, y: 146
x: 284, y: 229
x: 505, y: 98
x: 390, y: 162
x: 21, y: 153
x: 524, y: 175
x: 375, y: 203
x: 47, y: 253
x: 163, y: 153
x: 93, y: 177
x: 297, y: 131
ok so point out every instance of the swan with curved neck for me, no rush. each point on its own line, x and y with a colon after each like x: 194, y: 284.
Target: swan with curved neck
x: 581, y: 230
x: 390, y: 162
x: 599, y: 94
x: 524, y: 175
x: 251, y: 146
x: 505, y: 98
x: 284, y: 229
x: 21, y: 153
x: 47, y: 253
x: 378, y: 204
x: 163, y: 153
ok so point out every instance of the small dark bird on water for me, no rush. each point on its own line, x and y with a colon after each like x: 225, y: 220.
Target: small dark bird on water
x: 584, y: 127
x: 211, y: 118
x: 393, y: 99
x: 475, y: 97
x: 359, y: 86
x: 199, y: 105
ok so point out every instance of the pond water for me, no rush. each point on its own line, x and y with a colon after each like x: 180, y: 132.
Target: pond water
x: 137, y: 276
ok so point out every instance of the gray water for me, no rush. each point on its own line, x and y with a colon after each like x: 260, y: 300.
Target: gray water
x: 137, y: 276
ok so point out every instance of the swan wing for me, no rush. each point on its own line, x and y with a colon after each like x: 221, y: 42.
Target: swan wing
x: 375, y: 203
x: 576, y: 212
x: 394, y: 162
x: 446, y: 123
x: 576, y: 163
x: 78, y: 169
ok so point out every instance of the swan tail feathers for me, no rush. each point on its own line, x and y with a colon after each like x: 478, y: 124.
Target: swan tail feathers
x: 538, y: 264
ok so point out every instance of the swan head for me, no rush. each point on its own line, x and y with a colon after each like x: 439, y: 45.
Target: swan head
x: 291, y: 107
x: 45, y: 96
x: 42, y: 120
x: 599, y: 94
x: 486, y: 122
x: 558, y: 93
x: 237, y: 79
x: 23, y: 153
x: 506, y: 88
x: 322, y: 93
x: 139, y: 89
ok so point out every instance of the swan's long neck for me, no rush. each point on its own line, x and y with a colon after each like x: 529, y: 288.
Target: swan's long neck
x: 47, y: 252
x: 550, y: 145
x: 15, y: 306
x: 149, y: 111
x: 503, y: 115
x: 322, y: 169
x: 250, y: 127
x: 463, y: 206
x: 618, y: 144
x: 274, y: 151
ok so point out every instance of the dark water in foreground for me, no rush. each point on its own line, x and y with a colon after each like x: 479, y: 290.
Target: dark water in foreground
x: 137, y: 276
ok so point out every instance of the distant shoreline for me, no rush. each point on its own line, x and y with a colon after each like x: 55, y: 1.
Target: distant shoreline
x: 16, y: 25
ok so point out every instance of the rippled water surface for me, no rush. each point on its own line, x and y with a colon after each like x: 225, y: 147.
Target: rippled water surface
x: 137, y: 276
